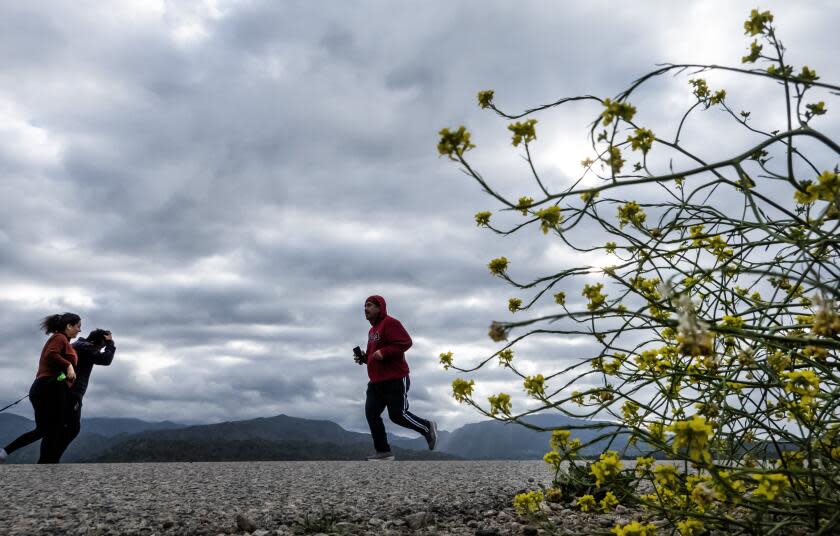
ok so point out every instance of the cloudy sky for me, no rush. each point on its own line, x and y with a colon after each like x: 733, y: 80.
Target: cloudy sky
x: 223, y: 183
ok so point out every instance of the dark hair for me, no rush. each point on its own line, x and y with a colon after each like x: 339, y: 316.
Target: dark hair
x: 58, y: 323
x: 97, y: 336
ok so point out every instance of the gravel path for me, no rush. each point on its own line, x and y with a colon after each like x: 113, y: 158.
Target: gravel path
x: 266, y: 498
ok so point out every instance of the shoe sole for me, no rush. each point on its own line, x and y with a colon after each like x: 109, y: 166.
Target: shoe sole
x: 388, y: 459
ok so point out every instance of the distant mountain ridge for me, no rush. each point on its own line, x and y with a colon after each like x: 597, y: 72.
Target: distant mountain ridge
x: 283, y: 437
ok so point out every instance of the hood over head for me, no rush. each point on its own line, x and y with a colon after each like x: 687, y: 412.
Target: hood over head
x: 380, y: 301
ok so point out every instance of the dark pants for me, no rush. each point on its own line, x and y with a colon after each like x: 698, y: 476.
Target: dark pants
x: 49, y: 400
x: 391, y: 394
x: 71, y: 417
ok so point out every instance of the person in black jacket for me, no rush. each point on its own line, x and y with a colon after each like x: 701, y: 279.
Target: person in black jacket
x: 97, y: 349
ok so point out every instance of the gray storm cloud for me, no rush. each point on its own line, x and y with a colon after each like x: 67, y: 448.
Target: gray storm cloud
x: 223, y: 183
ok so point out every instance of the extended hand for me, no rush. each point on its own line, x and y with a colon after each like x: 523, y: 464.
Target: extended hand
x: 71, y: 373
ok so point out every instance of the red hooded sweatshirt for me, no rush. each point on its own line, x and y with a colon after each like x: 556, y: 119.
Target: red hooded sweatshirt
x: 386, y: 334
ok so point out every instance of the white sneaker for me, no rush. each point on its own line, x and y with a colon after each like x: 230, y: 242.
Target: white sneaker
x: 3, y: 455
x: 431, y: 439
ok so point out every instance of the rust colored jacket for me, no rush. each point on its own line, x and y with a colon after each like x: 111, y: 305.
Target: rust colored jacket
x: 56, y: 356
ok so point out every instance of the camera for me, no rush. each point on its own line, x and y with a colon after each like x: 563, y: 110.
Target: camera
x: 360, y: 356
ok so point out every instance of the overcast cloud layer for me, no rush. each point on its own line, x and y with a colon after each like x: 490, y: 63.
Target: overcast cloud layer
x: 223, y: 183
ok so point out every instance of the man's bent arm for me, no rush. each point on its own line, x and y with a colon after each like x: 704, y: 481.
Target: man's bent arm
x: 396, y: 338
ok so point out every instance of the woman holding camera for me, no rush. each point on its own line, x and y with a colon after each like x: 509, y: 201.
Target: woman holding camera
x: 48, y: 394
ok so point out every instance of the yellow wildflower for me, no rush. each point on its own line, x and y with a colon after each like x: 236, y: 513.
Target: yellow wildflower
x: 608, y: 467
x: 694, y: 435
x: 498, y: 266
x: 609, y: 502
x: 559, y: 439
x: 454, y: 144
x: 771, y: 485
x: 485, y: 98
x: 535, y: 385
x: 462, y: 389
x: 482, y: 218
x: 500, y: 403
x: 523, y: 132
x: 528, y: 503
x: 634, y: 529
x: 586, y: 502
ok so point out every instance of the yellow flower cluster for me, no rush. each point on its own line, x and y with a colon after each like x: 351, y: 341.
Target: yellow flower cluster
x: 735, y: 322
x: 704, y: 94
x: 631, y: 212
x: 482, y: 218
x: 630, y: 410
x: 635, y: 528
x: 606, y: 468
x: 618, y: 109
x: 462, y: 390
x: 690, y: 527
x: 758, y: 23
x: 817, y: 108
x: 590, y: 195
x: 586, y: 502
x: 500, y: 403
x: 559, y: 439
x: 553, y: 458
x: 498, y: 266
x: 826, y: 319
x: 665, y: 475
x: 523, y: 132
x: 643, y: 139
x: 643, y: 464
x: 524, y: 204
x: 446, y: 359
x: 609, y: 502
x: 528, y: 503
x: 596, y: 298
x: 804, y: 383
x: 614, y: 159
x: 454, y: 144
x: 514, y: 304
x: 657, y: 360
x: 771, y: 485
x: 505, y: 357
x: 694, y: 435
x: 702, y: 491
x: 485, y: 98
x: 755, y: 52
x: 656, y: 430
x: 535, y: 385
x: 613, y: 366
x: 647, y: 287
x: 827, y: 188
x: 560, y: 298
x: 808, y: 75
x: 550, y: 218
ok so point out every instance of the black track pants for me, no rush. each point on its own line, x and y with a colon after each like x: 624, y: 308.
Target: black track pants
x: 391, y: 394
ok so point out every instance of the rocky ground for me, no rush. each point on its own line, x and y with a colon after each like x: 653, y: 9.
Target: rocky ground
x: 281, y: 498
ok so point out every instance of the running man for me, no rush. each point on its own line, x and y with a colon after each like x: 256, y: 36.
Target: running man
x: 389, y: 382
